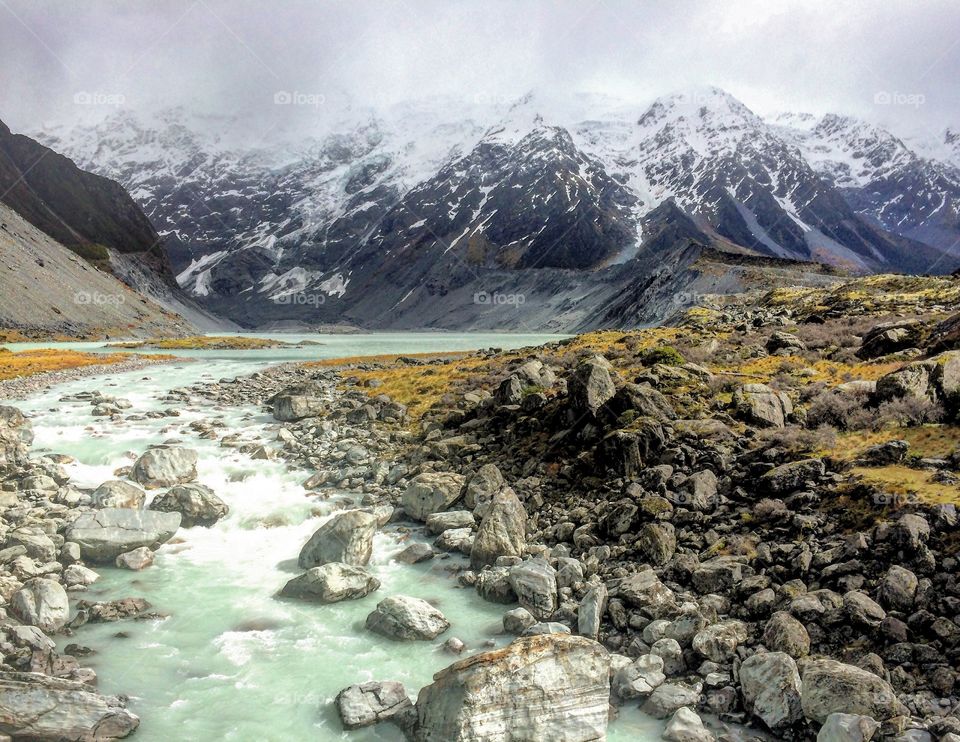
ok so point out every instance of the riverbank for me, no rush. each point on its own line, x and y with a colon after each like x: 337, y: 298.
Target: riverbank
x: 24, y: 373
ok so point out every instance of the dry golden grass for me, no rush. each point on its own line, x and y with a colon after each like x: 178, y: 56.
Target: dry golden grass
x: 383, y: 358
x: 830, y: 372
x: 879, y: 294
x: 30, y: 362
x: 926, y: 441
x: 912, y: 484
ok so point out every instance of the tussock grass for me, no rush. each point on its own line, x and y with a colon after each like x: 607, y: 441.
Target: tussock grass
x: 31, y: 362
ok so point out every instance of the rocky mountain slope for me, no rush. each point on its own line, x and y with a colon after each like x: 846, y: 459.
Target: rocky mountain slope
x: 399, y: 218
x: 47, y: 289
x: 95, y: 218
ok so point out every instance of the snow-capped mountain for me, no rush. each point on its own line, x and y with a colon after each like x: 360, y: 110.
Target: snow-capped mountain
x: 383, y: 216
x: 882, y: 177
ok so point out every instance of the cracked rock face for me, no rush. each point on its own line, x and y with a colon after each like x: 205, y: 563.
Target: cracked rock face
x: 105, y: 534
x: 42, y: 603
x: 35, y: 706
x: 369, y: 703
x: 165, y: 467
x: 552, y: 686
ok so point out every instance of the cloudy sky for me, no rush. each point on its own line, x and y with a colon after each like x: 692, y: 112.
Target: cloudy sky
x: 889, y: 60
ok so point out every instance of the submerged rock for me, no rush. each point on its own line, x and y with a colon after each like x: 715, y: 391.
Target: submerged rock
x: 135, y: 560
x: 165, y: 467
x: 196, y: 503
x: 347, y: 537
x: 549, y: 687
x: 103, y: 535
x: 406, y: 618
x: 331, y: 583
x: 35, y: 706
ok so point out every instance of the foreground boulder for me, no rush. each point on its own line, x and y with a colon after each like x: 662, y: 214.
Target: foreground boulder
x: 405, y: 618
x: 591, y: 385
x: 103, y: 535
x: 503, y: 531
x: 771, y: 689
x: 196, y: 503
x: 331, y: 583
x: 936, y: 379
x: 39, y: 707
x: 430, y: 493
x: 832, y: 687
x: 347, y: 537
x: 165, y: 467
x: 549, y: 687
x: 369, y: 703
x: 118, y: 494
x: 42, y: 603
x: 535, y: 584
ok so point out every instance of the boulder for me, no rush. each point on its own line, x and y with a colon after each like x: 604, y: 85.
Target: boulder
x: 42, y: 603
x: 35, y: 543
x: 546, y: 687
x: 135, y: 560
x: 370, y: 703
x: 848, y: 728
x: 165, y: 467
x: 591, y: 385
x: 493, y: 585
x: 771, y: 689
x: 331, y: 583
x: 535, y: 584
x: 439, y: 522
x: 118, y: 494
x: 546, y: 627
x: 482, y: 487
x: 39, y: 707
x: 784, y: 633
x: 657, y: 542
x: 762, y: 406
x: 718, y: 642
x: 686, y: 726
x: 16, y: 436
x: 936, y: 379
x: 416, y: 553
x: 347, y: 538
x: 889, y: 337
x: 780, y: 340
x: 790, y: 477
x: 503, y: 531
x: 862, y: 610
x: 404, y: 618
x: 698, y: 492
x: 898, y: 588
x: 644, y: 590
x: 833, y: 687
x: 299, y: 402
x: 640, y: 678
x: 518, y: 620
x: 718, y: 574
x: 430, y: 493
x: 105, y: 534
x: 591, y: 610
x: 668, y: 697
x: 196, y: 503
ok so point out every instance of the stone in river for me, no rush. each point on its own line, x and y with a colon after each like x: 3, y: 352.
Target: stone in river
x: 369, y: 703
x: 430, y: 493
x: 118, y: 494
x: 347, y: 537
x: 405, y: 618
x: 135, y: 560
x: 414, y: 553
x: 165, y: 467
x: 196, y: 503
x: 331, y: 583
x: 103, y: 535
x: 546, y: 687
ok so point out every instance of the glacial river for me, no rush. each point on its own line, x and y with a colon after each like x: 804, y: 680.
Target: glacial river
x: 231, y: 662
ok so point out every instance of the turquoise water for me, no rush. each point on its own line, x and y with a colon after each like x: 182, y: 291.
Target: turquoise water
x: 231, y: 662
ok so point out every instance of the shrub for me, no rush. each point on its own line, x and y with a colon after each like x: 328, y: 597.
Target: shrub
x: 909, y: 411
x: 797, y: 440
x: 665, y: 354
x: 839, y: 410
